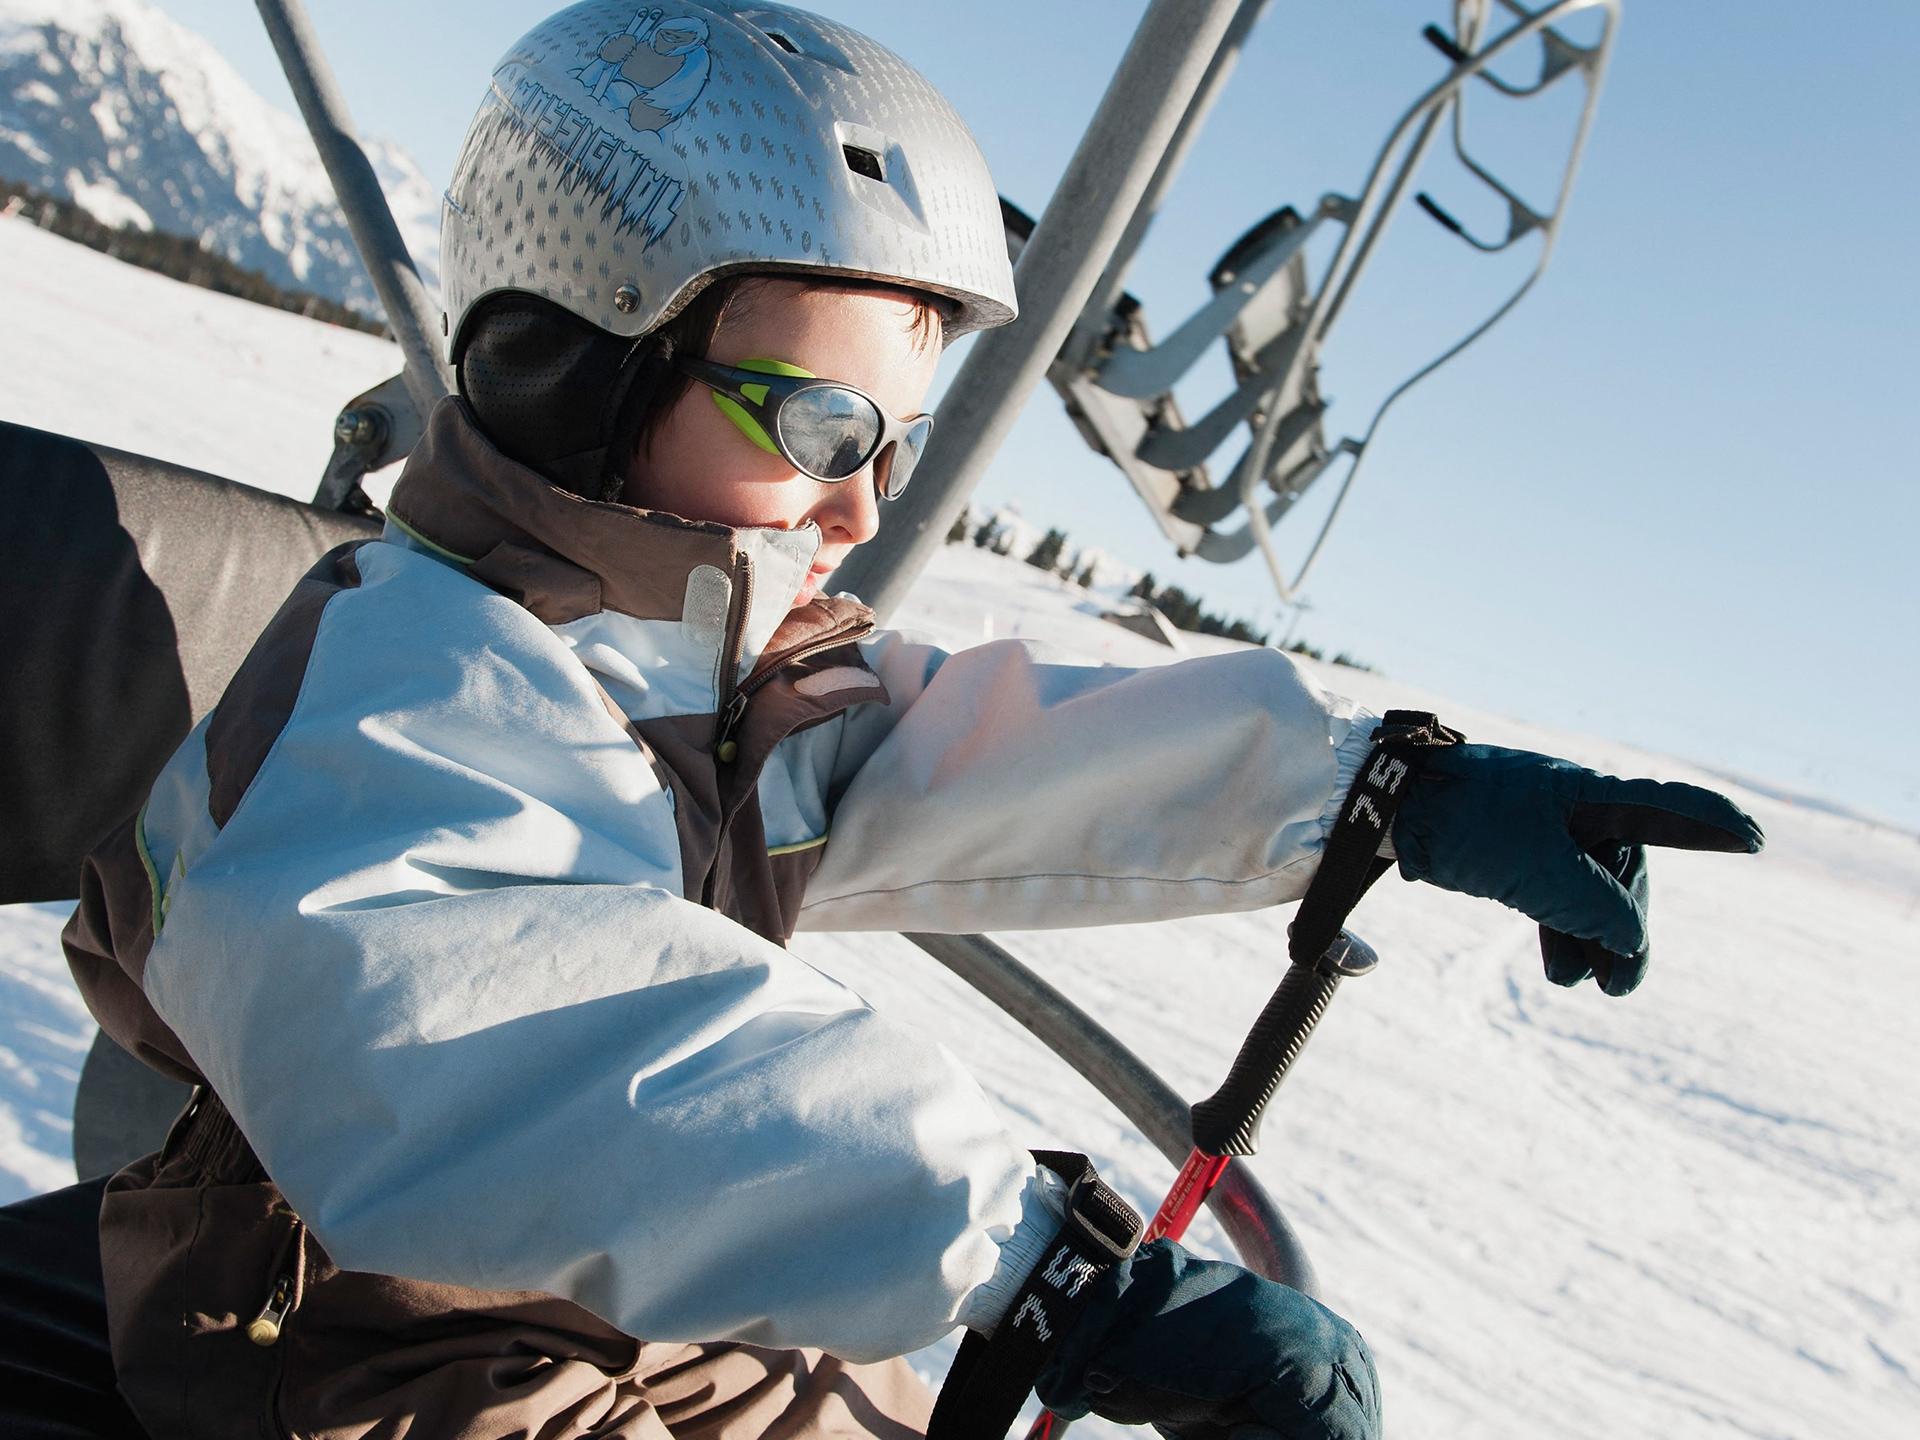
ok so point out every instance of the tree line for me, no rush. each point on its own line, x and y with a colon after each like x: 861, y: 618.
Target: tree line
x: 176, y: 257
x: 1187, y: 612
x: 1054, y: 555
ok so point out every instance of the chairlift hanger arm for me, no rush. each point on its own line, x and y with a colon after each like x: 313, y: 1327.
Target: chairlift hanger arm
x: 1090, y: 329
x: 411, y: 312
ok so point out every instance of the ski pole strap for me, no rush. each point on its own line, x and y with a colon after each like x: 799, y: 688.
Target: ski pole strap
x: 990, y: 1379
x: 1351, y: 861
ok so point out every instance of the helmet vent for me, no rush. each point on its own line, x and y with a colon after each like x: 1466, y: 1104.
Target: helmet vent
x: 864, y: 162
x: 783, y: 42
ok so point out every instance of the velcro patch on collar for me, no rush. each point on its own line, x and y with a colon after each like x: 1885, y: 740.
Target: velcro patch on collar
x: 833, y: 680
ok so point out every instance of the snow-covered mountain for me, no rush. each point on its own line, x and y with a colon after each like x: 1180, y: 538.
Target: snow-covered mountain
x: 113, y: 105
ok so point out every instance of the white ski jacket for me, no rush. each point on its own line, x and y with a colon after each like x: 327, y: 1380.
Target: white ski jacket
x: 468, y: 902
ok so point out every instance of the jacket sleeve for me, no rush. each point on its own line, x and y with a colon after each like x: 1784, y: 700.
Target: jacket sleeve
x: 994, y: 791
x: 436, y: 963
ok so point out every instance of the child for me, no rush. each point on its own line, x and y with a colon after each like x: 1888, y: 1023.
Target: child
x: 465, y: 908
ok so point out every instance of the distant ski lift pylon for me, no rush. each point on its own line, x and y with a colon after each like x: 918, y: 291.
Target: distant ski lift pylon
x: 1118, y: 383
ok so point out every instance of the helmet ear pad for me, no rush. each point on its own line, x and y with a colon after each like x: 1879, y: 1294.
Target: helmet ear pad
x: 552, y: 391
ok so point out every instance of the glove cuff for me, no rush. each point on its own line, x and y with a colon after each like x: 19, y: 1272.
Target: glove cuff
x: 990, y: 1379
x: 1352, y: 858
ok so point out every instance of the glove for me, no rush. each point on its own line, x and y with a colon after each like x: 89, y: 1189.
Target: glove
x: 1564, y: 845
x: 1204, y: 1350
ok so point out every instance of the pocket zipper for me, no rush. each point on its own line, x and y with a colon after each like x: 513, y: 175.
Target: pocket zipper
x: 264, y: 1329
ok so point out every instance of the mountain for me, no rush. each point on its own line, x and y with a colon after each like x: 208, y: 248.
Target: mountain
x: 113, y: 105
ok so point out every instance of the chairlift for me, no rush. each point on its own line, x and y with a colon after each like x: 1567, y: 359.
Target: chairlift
x: 1118, y: 383
x: 1079, y: 329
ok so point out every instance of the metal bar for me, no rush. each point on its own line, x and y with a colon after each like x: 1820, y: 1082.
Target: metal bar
x: 1245, y: 1211
x: 1149, y: 94
x: 1106, y: 293
x: 411, y: 311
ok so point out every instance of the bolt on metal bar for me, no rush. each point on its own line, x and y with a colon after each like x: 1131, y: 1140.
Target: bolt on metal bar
x: 411, y: 311
x: 1137, y: 119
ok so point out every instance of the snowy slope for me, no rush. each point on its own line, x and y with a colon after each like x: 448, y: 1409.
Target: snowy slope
x: 1691, y: 1213
x: 113, y: 105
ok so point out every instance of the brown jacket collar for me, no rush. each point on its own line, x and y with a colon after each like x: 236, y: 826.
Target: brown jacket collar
x: 565, y: 558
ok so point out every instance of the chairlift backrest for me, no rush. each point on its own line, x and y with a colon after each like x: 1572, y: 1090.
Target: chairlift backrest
x: 133, y: 588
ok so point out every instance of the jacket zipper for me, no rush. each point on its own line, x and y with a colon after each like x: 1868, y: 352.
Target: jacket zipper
x: 737, y: 707
x: 735, y: 702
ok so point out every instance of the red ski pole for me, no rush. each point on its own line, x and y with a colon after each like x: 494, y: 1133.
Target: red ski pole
x: 1227, y: 1122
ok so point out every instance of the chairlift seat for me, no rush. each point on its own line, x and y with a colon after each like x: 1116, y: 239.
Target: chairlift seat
x: 133, y: 588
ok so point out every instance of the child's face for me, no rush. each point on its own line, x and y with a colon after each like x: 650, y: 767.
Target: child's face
x: 701, y: 467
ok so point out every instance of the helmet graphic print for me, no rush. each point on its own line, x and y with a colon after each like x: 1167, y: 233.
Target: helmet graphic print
x: 628, y: 154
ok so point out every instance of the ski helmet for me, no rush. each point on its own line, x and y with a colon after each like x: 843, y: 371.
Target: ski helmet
x: 627, y: 155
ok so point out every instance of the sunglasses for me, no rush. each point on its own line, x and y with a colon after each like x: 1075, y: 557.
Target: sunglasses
x: 826, y: 429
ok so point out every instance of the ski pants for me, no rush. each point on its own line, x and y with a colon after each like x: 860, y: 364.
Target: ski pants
x: 56, y: 1370
x: 56, y: 1373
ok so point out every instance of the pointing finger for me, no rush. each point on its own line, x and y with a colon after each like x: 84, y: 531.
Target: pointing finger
x: 1656, y: 812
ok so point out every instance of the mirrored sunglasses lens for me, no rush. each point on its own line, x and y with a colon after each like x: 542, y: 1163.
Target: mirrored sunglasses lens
x: 828, y: 431
x: 902, y: 457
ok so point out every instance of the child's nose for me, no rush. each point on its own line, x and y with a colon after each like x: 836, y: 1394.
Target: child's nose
x: 851, y: 507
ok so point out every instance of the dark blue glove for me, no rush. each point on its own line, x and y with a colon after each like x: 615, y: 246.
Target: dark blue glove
x: 1564, y: 845
x: 1201, y: 1349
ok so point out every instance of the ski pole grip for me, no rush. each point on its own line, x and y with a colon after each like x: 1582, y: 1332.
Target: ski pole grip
x: 1227, y: 1122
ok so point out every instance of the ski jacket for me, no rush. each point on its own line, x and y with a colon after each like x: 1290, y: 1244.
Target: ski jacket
x: 466, y: 908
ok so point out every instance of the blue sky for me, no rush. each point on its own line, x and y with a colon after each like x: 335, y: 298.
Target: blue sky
x: 1671, y: 499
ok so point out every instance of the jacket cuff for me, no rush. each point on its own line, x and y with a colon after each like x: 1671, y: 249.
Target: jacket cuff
x: 1043, y: 1210
x: 1349, y: 755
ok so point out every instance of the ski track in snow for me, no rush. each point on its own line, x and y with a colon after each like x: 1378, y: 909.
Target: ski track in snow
x: 1687, y: 1214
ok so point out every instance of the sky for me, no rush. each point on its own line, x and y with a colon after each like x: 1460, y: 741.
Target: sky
x: 1670, y: 500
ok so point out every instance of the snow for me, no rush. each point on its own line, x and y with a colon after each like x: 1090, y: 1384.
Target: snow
x: 107, y: 203
x: 112, y: 101
x: 92, y: 347
x: 1690, y: 1213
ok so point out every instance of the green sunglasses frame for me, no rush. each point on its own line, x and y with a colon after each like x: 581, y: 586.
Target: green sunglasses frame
x: 752, y: 393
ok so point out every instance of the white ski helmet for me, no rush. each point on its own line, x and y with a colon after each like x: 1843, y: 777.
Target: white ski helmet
x: 626, y: 155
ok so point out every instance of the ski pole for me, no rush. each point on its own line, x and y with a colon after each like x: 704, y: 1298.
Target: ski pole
x: 1227, y: 1122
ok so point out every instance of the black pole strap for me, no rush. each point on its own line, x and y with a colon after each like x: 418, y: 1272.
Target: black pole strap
x: 1351, y: 861
x: 990, y: 1379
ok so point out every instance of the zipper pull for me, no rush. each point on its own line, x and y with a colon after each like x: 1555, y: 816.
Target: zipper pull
x: 728, y: 747
x: 264, y: 1328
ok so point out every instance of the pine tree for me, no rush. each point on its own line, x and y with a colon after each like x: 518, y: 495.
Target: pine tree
x: 1046, y: 554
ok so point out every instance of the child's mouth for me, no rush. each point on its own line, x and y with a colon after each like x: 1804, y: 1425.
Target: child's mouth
x: 811, y: 586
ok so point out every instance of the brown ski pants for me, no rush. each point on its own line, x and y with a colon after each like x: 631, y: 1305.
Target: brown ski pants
x: 56, y: 1371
